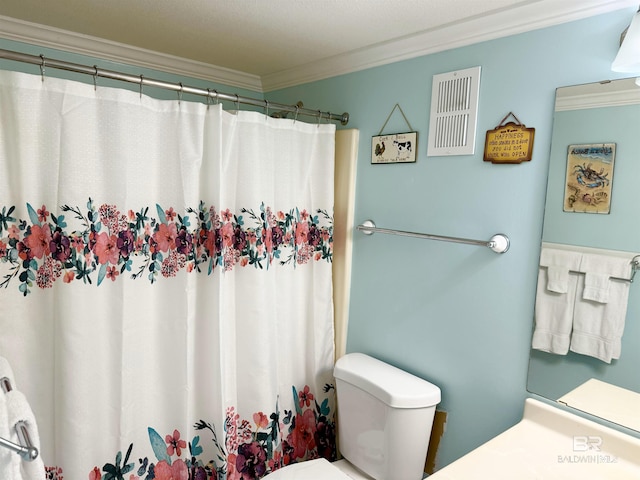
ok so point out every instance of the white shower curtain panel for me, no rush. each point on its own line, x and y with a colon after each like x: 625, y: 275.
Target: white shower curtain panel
x: 165, y: 282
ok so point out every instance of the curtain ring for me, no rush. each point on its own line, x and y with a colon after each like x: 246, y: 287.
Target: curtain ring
x: 216, y: 92
x: 297, y: 110
x: 237, y: 103
x: 266, y: 107
x: 208, y: 98
x: 42, y: 67
x: 95, y: 78
x: 141, y: 83
x: 180, y: 93
x: 319, y: 117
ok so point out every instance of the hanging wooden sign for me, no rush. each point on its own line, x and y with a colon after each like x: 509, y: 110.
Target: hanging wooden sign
x: 395, y: 148
x: 509, y: 143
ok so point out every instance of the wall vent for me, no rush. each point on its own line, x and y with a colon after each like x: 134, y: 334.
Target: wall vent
x: 454, y: 113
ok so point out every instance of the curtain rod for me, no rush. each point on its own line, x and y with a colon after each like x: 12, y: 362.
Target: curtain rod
x: 45, y: 62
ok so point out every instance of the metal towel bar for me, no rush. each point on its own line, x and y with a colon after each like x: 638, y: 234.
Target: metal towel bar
x: 499, y: 243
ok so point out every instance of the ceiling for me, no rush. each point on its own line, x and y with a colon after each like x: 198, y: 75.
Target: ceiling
x: 268, y: 44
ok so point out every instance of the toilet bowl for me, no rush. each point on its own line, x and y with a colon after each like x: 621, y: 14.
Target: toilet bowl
x: 385, y: 419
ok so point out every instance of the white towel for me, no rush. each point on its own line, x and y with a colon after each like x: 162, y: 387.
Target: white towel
x: 6, y: 371
x: 597, y: 270
x: 555, y: 297
x: 559, y: 262
x: 5, y: 454
x: 598, y: 326
x: 18, y: 409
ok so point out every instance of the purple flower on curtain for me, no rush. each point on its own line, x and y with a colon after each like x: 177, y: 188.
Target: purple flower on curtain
x: 251, y: 461
x: 60, y: 246
x: 126, y: 243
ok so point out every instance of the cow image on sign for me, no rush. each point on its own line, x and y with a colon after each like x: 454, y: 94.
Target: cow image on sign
x: 509, y: 143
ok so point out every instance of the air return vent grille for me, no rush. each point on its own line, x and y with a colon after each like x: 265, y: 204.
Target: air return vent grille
x: 454, y: 112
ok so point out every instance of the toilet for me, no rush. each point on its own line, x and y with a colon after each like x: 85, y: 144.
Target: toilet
x: 385, y: 417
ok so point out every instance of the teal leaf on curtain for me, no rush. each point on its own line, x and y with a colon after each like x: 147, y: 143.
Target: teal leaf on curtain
x: 158, y: 446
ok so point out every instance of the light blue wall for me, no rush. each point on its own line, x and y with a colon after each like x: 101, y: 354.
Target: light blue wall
x: 457, y: 315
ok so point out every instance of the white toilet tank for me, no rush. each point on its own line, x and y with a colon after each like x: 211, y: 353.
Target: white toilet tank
x: 385, y: 417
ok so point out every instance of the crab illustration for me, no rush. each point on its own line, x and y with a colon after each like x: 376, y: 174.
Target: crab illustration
x: 587, y: 176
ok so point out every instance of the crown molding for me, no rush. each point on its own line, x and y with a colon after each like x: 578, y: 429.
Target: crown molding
x: 49, y: 37
x: 520, y: 19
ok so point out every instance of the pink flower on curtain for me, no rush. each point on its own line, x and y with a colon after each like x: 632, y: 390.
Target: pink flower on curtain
x: 112, y: 273
x: 107, y: 248
x: 261, y: 420
x: 305, y: 397
x: 303, y: 436
x: 171, y: 214
x: 165, y: 237
x: 302, y: 231
x: 95, y: 474
x: 14, y: 232
x: 226, y: 232
x: 232, y: 473
x: 38, y: 240
x: 176, y: 471
x: 174, y: 444
x: 43, y: 213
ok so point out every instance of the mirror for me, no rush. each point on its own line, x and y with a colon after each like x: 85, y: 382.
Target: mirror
x: 599, y: 113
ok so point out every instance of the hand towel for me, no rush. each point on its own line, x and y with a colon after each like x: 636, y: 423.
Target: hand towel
x: 18, y: 409
x: 598, y: 326
x: 597, y: 270
x: 555, y: 298
x: 6, y: 372
x: 596, y: 287
x: 558, y: 263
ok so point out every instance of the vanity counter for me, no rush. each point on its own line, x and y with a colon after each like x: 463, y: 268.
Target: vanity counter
x: 550, y: 443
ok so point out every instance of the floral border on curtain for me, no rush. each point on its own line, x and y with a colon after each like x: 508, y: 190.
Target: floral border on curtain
x: 42, y: 249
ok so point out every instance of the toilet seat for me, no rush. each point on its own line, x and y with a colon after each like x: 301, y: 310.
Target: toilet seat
x: 319, y: 469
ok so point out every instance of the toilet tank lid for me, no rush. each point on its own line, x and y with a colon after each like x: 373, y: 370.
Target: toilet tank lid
x: 389, y: 384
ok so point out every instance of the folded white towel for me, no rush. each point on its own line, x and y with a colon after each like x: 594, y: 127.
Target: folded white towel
x: 559, y: 263
x: 6, y: 372
x: 598, y: 326
x: 597, y: 270
x: 556, y: 292
x: 596, y: 287
x: 18, y: 409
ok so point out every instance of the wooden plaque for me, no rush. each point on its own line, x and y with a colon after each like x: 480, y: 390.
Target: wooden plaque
x: 510, y: 143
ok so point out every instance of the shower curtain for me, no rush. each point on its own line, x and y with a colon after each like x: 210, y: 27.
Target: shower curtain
x: 165, y: 282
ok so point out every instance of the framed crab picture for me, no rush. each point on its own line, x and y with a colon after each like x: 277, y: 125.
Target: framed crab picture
x: 589, y: 178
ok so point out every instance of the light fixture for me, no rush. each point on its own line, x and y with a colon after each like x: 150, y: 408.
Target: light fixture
x: 628, y: 58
